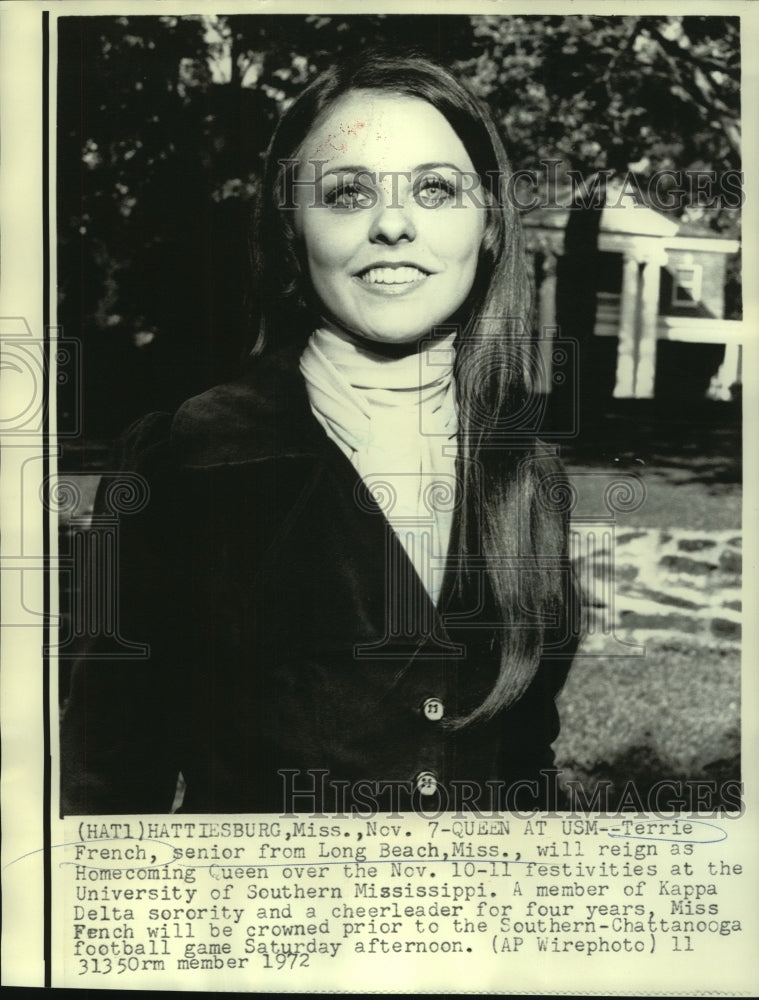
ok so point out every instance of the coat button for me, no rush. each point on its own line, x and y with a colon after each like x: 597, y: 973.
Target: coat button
x: 426, y: 783
x: 433, y: 709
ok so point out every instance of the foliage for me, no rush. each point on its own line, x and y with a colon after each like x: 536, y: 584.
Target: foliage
x: 610, y: 92
x: 163, y: 121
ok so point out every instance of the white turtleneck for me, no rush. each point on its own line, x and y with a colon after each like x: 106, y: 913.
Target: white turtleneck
x: 395, y: 419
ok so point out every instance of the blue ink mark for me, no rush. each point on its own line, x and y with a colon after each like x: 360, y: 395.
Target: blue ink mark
x: 677, y: 840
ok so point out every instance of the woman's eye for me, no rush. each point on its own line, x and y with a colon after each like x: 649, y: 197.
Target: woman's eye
x: 433, y: 191
x: 351, y: 195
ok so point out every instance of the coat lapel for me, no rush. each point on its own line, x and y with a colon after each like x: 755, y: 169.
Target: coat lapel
x: 265, y: 416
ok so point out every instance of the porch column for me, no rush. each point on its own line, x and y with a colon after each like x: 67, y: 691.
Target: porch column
x: 728, y: 374
x: 645, y: 368
x: 547, y: 319
x: 628, y: 323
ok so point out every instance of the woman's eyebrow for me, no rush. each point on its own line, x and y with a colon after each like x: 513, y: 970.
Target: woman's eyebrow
x: 420, y: 168
x: 435, y: 165
x: 350, y: 168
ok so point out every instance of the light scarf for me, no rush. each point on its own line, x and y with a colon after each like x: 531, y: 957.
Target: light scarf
x: 395, y: 419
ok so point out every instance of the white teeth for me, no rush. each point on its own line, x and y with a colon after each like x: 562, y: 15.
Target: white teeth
x: 393, y: 275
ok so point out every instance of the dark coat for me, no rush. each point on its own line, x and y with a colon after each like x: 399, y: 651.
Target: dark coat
x: 259, y: 575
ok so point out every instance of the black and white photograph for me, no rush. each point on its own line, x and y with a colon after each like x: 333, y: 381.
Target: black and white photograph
x: 419, y: 338
x: 377, y: 472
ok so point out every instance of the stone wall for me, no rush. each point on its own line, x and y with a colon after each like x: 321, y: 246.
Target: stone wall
x: 641, y: 583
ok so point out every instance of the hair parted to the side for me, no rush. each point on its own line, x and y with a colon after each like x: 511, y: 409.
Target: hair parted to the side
x: 506, y: 480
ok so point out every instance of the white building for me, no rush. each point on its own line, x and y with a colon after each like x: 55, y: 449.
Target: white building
x: 669, y: 285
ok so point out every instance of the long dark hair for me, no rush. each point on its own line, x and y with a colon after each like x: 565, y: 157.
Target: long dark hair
x: 514, y: 514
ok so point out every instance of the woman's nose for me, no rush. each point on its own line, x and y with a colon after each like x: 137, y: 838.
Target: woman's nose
x: 393, y: 219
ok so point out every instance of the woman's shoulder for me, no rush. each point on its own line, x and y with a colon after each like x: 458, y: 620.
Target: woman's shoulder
x: 261, y: 413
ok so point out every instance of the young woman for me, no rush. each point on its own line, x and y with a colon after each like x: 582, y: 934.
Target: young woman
x: 352, y: 571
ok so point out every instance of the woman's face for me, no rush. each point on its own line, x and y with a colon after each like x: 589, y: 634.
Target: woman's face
x: 390, y: 239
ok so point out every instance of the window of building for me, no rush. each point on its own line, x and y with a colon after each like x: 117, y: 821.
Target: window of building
x: 686, y: 285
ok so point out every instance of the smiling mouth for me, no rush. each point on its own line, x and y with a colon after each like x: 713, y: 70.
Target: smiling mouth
x: 406, y: 274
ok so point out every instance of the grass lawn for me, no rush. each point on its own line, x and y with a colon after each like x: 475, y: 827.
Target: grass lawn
x: 673, y: 713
